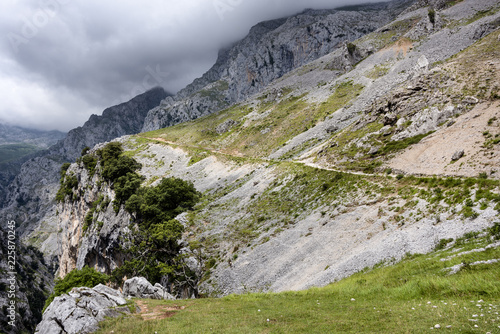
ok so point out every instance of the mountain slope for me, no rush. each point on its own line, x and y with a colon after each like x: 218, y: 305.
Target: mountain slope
x: 268, y: 221
x: 17, y: 145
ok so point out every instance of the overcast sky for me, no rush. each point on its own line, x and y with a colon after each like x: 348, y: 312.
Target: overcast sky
x: 63, y: 60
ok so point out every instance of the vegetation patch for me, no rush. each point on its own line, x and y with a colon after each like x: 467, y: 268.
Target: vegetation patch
x: 68, y: 185
x: 86, y: 277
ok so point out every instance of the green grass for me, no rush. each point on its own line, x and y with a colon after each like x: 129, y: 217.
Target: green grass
x: 479, y: 15
x: 272, y: 124
x: 409, y: 297
x: 13, y: 152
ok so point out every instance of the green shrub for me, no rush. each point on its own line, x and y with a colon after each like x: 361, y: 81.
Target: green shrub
x: 89, y: 219
x: 85, y: 151
x: 90, y: 162
x: 88, y: 277
x: 443, y: 243
x: 494, y: 231
x: 155, y: 250
x: 68, y: 184
x: 351, y: 48
x: 164, y: 201
x: 432, y: 15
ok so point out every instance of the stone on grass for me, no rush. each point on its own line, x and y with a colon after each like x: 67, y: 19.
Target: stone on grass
x: 139, y: 287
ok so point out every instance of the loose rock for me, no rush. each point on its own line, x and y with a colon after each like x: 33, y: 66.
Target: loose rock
x: 139, y: 287
x: 457, y: 155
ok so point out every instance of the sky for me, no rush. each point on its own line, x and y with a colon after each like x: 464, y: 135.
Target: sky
x: 64, y: 60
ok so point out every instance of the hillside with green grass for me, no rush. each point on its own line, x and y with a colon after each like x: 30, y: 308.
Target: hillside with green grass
x: 454, y: 288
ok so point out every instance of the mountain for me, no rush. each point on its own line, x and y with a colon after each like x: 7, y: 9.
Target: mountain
x: 17, y: 145
x: 330, y: 169
x: 10, y: 135
x: 385, y: 145
x: 270, y: 50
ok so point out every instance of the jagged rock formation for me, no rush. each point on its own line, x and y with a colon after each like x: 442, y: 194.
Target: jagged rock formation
x: 81, y: 310
x: 270, y: 50
x: 27, y: 287
x: 98, y: 247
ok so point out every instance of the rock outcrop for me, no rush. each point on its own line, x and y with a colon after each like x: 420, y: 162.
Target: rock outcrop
x: 81, y: 310
x: 139, y: 287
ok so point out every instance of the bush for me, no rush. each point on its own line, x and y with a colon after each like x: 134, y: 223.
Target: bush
x: 494, y: 231
x: 85, y: 151
x: 351, y: 48
x: 88, y: 277
x: 155, y: 245
x: 163, y: 202
x: 68, y: 184
x: 432, y: 15
x: 90, y: 162
x: 121, y: 166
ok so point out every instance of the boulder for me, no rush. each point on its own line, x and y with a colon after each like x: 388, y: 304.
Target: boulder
x: 81, y: 310
x: 139, y: 287
x: 226, y: 126
x: 457, y: 155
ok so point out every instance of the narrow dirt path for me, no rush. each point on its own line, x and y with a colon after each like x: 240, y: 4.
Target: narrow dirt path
x: 158, y: 312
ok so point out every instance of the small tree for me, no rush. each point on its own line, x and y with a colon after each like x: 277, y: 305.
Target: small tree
x: 432, y: 15
x: 351, y: 48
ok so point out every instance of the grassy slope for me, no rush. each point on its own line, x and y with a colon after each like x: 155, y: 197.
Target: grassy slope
x: 409, y: 297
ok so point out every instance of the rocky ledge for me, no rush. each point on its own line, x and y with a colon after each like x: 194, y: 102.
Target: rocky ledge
x: 81, y: 310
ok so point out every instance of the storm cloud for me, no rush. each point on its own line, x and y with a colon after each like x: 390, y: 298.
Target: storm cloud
x: 63, y: 60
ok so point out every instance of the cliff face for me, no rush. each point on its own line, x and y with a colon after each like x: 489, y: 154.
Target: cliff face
x: 27, y: 287
x: 270, y: 50
x: 98, y: 244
